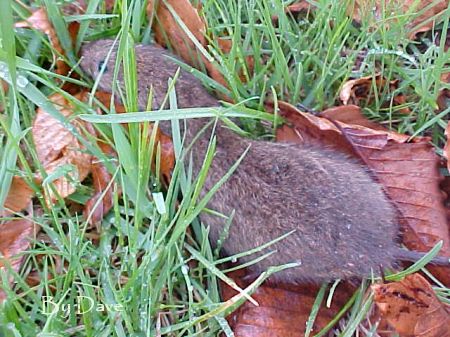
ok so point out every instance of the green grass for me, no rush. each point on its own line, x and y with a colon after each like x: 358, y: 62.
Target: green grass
x: 152, y: 258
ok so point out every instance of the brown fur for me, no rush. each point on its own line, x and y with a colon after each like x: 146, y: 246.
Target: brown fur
x: 344, y: 225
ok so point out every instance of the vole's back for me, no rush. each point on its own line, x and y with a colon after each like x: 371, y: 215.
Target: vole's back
x: 344, y: 225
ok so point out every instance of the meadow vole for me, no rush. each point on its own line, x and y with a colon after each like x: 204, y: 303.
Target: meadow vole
x: 344, y: 225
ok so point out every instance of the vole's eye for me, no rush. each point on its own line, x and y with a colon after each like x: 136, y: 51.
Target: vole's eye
x: 100, y: 66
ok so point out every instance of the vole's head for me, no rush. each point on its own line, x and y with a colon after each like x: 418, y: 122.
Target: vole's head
x: 95, y: 57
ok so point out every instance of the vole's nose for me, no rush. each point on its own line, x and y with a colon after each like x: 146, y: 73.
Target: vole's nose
x: 85, y: 46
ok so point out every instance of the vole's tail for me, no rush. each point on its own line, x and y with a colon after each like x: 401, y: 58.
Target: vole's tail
x: 413, y: 256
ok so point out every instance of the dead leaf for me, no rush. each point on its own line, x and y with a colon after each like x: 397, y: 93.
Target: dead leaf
x: 362, y: 89
x: 308, y: 129
x: 407, y: 170
x: 412, y: 308
x: 299, y: 6
x: 101, y: 176
x: 14, y: 240
x: 57, y: 146
x: 409, y: 173
x: 424, y: 13
x: 168, y: 30
x: 98, y: 206
x: 40, y: 21
x: 19, y: 196
x: 105, y: 99
x: 350, y: 114
x: 283, y: 310
x: 167, y: 160
x: 296, y: 8
x: 225, y: 45
x: 5, y: 90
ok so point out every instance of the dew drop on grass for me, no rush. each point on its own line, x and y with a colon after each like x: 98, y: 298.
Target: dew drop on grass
x: 154, y: 257
x: 22, y: 81
x: 234, y: 260
x: 3, y: 70
x: 184, y: 269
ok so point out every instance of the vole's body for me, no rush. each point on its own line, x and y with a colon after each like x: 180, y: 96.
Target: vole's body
x: 344, y: 225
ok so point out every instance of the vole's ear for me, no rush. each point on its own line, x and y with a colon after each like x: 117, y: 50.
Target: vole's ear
x: 86, y: 47
x: 86, y: 58
x: 91, y: 54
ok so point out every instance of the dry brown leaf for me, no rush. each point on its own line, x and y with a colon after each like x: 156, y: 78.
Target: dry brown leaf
x: 14, y: 234
x: 313, y: 130
x: 168, y: 31
x: 427, y: 11
x: 35, y: 277
x: 350, y: 114
x: 105, y: 99
x: 167, y: 160
x: 5, y: 90
x: 298, y: 7
x: 407, y: 170
x: 225, y: 46
x: 39, y: 21
x: 412, y: 308
x: 14, y: 240
x: 410, y: 175
x: 96, y: 208
x: 423, y: 13
x: 19, y: 196
x: 361, y: 89
x: 56, y: 146
x: 101, y: 177
x: 282, y: 311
